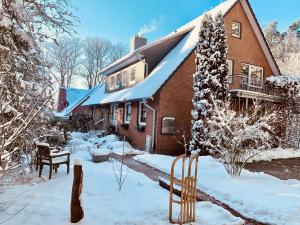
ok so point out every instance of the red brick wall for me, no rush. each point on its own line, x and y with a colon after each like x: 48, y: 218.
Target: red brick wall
x: 246, y: 49
x: 138, y: 139
x: 175, y: 97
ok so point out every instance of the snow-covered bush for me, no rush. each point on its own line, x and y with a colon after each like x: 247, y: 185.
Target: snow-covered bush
x: 236, y: 135
x: 209, y: 79
x: 288, y: 116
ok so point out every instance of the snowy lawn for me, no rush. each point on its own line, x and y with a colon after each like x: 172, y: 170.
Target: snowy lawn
x: 141, y: 200
x: 255, y: 195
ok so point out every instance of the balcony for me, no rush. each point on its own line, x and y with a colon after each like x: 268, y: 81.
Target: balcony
x: 248, y: 87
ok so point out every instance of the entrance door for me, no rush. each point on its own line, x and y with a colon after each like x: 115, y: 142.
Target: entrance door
x: 113, y: 115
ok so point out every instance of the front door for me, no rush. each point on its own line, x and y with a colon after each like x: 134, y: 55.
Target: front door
x: 113, y: 115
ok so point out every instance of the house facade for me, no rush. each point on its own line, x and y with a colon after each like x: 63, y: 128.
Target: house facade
x: 148, y: 93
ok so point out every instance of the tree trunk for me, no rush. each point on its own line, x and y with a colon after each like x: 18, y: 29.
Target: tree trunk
x: 76, y: 207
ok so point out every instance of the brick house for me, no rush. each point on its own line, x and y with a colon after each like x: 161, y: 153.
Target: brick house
x: 147, y: 95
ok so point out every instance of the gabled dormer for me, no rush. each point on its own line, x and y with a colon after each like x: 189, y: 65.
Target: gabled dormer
x: 126, y: 77
x: 141, y: 61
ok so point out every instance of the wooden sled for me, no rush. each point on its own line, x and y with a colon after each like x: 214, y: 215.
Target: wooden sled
x: 187, y: 186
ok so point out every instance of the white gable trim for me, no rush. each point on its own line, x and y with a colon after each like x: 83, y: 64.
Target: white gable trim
x: 260, y: 37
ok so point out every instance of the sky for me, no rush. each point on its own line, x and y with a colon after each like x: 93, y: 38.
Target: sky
x: 118, y: 20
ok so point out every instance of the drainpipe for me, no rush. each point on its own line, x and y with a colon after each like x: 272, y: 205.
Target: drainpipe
x: 153, y: 124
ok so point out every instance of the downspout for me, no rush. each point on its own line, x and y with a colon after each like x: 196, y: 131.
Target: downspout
x: 153, y: 124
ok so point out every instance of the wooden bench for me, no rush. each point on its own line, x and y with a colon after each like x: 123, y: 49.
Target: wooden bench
x: 52, y: 158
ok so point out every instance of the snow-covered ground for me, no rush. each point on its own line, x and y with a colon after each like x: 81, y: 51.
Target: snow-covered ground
x: 141, y: 200
x: 256, y: 195
x: 276, y: 153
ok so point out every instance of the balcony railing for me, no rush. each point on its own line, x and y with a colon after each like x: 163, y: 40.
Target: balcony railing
x: 246, y: 83
x: 241, y: 82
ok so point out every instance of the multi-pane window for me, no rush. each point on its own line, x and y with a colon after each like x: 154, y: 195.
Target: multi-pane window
x: 132, y: 74
x: 127, y: 113
x: 125, y: 78
x: 236, y: 29
x: 142, y: 113
x: 253, y: 75
x: 119, y: 80
x: 112, y: 82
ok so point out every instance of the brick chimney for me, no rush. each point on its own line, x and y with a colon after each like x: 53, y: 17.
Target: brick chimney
x: 62, y: 99
x: 137, y: 42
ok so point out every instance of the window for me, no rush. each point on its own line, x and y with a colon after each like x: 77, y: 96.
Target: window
x: 125, y: 78
x: 127, y: 113
x: 230, y: 70
x: 236, y: 29
x: 168, y: 125
x: 112, y: 83
x: 132, y: 74
x: 142, y: 113
x: 119, y: 80
x: 253, y: 75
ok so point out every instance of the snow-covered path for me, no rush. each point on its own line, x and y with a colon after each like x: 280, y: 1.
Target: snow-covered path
x: 141, y: 200
x: 255, y: 195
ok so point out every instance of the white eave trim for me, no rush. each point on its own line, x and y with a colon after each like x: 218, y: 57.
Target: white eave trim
x: 260, y: 38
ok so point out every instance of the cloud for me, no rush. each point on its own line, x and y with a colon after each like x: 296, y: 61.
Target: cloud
x: 153, y: 26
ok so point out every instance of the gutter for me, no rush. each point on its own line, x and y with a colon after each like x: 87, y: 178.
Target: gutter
x: 153, y: 124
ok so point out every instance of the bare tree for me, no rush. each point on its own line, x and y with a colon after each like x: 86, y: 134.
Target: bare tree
x: 64, y: 56
x: 117, y: 51
x: 120, y: 170
x: 25, y: 90
x: 96, y: 57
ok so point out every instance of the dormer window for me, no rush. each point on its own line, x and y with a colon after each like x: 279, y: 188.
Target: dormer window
x: 112, y: 82
x: 132, y: 74
x: 125, y: 78
x: 119, y: 80
x: 236, y: 29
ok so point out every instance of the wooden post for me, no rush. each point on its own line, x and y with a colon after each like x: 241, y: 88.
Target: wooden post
x: 76, y: 208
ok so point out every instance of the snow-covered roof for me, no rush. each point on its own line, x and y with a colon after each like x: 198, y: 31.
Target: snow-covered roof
x: 86, y: 95
x: 73, y: 94
x: 147, y: 88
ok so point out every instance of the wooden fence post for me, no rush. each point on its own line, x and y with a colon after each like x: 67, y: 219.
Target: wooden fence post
x: 76, y: 208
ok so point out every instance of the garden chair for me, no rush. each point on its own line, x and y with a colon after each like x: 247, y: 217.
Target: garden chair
x: 52, y: 158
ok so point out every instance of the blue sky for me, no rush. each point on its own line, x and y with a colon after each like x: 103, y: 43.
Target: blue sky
x: 118, y: 20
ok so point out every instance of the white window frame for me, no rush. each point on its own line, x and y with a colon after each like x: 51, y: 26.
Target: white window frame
x: 126, y: 113
x: 140, y: 112
x: 132, y: 81
x: 240, y: 29
x: 249, y: 74
x: 230, y: 72
x: 112, y: 86
x: 117, y: 86
x: 123, y: 78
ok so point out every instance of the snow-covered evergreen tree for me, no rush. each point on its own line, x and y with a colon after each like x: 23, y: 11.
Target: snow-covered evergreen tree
x: 209, y: 79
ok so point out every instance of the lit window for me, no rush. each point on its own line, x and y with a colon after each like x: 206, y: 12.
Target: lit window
x: 236, y: 29
x: 230, y: 70
x: 127, y: 112
x: 142, y: 113
x: 132, y: 74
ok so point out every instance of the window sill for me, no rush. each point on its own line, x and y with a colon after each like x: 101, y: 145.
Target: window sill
x: 140, y: 127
